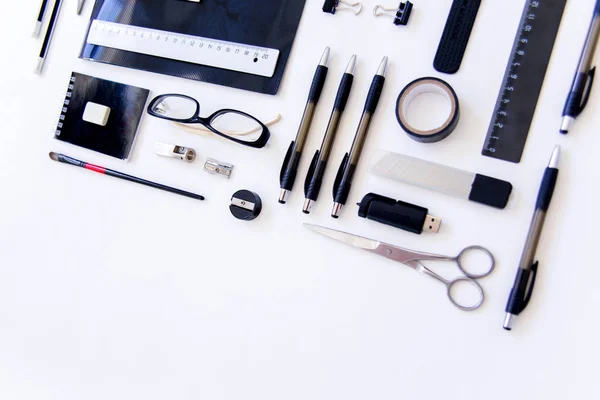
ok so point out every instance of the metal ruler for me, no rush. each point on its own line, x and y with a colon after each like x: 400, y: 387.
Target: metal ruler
x: 193, y: 49
x: 523, y: 81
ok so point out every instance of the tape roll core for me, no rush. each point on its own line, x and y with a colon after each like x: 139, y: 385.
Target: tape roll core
x: 417, y: 88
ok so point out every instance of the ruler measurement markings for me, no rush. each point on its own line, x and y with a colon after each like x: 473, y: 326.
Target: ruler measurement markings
x: 211, y: 52
x: 509, y: 128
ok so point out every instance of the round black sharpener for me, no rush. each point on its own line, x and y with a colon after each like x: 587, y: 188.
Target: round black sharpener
x: 245, y: 205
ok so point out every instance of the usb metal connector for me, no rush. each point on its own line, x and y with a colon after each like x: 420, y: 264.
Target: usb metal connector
x: 432, y: 224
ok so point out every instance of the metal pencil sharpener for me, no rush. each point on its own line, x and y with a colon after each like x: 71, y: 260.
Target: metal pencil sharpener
x: 173, y: 151
x: 216, y: 167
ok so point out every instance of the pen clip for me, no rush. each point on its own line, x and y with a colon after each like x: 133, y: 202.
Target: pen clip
x: 340, y: 174
x: 311, y: 172
x: 530, y: 286
x: 286, y: 161
x: 588, y: 90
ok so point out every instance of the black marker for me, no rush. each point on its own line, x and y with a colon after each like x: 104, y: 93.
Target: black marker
x: 314, y: 178
x: 343, y: 181
x: 523, y: 286
x: 48, y: 37
x: 289, y: 169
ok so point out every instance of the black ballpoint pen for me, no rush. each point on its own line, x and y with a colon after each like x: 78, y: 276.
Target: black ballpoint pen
x: 522, y: 289
x: 289, y: 169
x: 40, y: 19
x: 343, y: 180
x: 314, y: 178
x: 584, y: 77
x: 48, y: 37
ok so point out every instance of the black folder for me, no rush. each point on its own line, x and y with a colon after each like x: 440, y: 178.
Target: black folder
x: 264, y: 23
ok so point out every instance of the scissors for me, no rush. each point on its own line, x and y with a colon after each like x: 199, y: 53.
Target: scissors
x: 414, y: 260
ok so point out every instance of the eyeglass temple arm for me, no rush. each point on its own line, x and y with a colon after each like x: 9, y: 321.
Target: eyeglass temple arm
x: 192, y: 128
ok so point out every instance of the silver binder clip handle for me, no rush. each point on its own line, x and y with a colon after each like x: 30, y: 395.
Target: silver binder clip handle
x: 216, y: 167
x: 400, y: 15
x: 173, y: 151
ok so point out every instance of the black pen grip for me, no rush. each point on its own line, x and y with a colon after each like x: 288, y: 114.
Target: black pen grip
x: 343, y: 92
x: 288, y: 177
x: 317, y: 85
x: 313, y: 186
x: 374, y: 94
x: 580, y: 94
x: 547, y: 189
x: 343, y: 190
x: 573, y: 104
x: 516, y: 300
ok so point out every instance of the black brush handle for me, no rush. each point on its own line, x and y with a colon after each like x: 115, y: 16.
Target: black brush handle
x: 151, y: 184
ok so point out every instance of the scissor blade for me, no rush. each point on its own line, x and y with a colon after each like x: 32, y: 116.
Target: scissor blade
x: 352, y: 240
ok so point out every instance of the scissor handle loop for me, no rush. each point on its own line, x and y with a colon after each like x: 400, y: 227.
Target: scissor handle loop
x: 474, y: 283
x: 471, y: 249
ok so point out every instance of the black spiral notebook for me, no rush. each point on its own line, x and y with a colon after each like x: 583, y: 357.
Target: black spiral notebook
x: 269, y: 24
x: 101, y: 115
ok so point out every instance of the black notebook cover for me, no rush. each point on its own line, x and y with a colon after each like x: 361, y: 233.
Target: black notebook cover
x: 264, y: 23
x: 127, y: 105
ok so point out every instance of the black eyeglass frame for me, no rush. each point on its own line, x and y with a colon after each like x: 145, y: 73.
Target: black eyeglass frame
x: 207, y: 122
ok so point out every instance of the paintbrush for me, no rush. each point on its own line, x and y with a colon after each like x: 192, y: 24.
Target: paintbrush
x: 105, y: 171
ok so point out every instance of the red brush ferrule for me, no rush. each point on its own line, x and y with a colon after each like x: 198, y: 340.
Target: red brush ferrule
x: 96, y: 168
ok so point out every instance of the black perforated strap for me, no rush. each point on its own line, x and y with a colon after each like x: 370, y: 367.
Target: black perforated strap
x: 456, y: 35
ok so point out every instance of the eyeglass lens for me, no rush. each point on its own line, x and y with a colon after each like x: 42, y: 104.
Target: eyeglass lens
x: 176, y: 107
x: 237, y: 125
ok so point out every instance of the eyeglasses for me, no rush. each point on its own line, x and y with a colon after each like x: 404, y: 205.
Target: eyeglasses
x: 233, y: 125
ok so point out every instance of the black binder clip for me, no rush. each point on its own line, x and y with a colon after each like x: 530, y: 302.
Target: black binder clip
x: 331, y: 6
x: 401, y: 15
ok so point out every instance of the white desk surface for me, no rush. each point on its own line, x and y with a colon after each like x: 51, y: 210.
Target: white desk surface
x: 109, y: 290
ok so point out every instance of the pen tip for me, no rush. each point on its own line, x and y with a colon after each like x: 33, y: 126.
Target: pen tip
x: 566, y: 124
x: 351, y: 65
x: 325, y: 57
x: 53, y: 156
x: 383, y: 67
x: 555, y: 158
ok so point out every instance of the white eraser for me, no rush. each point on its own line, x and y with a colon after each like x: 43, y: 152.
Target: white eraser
x: 96, y: 114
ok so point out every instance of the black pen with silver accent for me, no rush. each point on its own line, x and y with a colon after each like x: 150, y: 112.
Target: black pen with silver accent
x: 314, y: 178
x: 523, y: 287
x: 289, y: 169
x: 40, y: 19
x: 343, y: 181
x: 48, y: 37
x: 584, y: 77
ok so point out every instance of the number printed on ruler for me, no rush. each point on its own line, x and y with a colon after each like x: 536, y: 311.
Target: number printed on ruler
x: 193, y: 49
x: 512, y: 76
x: 523, y: 80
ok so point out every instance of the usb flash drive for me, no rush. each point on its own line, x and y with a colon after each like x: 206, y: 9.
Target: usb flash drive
x: 399, y: 214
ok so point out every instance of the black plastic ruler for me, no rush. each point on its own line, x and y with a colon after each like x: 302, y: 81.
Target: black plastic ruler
x: 523, y: 81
